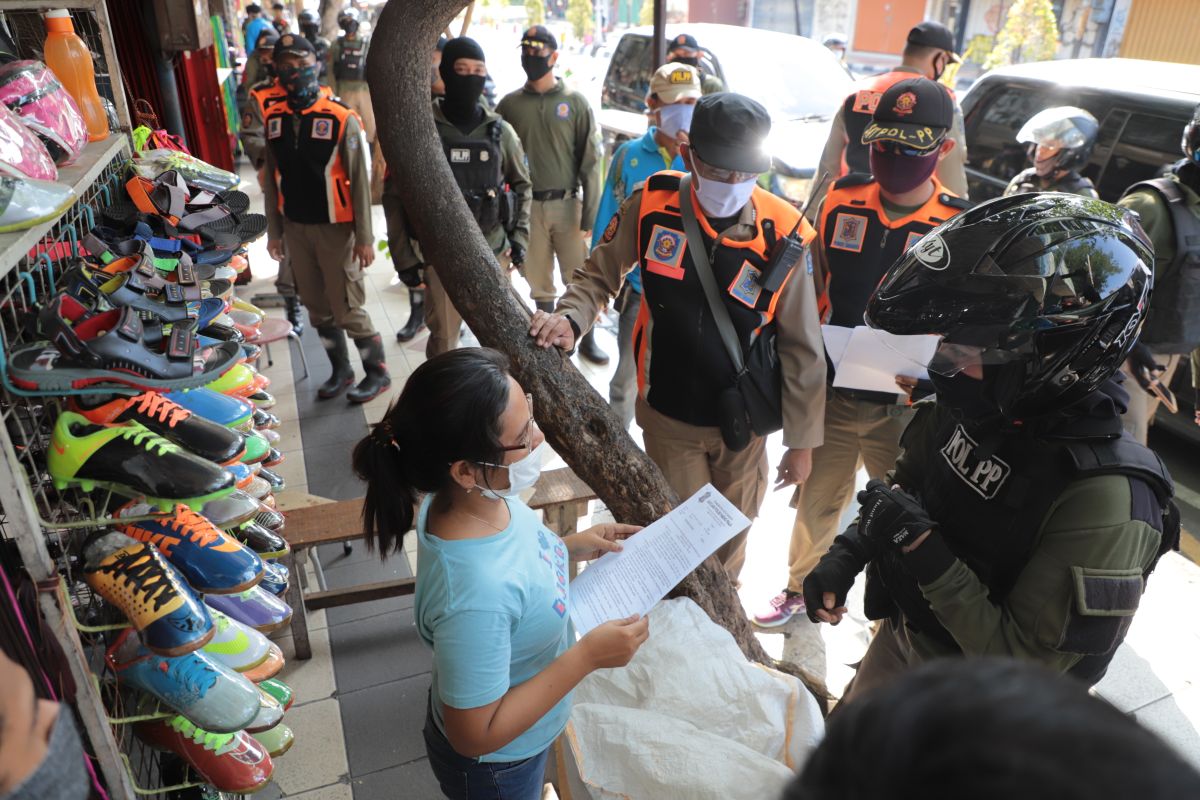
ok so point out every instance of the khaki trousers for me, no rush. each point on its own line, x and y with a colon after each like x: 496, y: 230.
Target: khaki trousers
x: 360, y: 100
x: 691, y: 456
x: 330, y: 283
x: 1142, y: 405
x: 857, y: 432
x: 441, y: 316
x: 889, y: 655
x: 554, y: 231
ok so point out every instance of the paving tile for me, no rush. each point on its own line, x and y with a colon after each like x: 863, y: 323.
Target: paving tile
x: 376, y: 650
x: 318, y: 758
x: 1175, y: 719
x: 347, y: 614
x: 337, y: 791
x: 332, y: 429
x: 312, y: 680
x: 383, y: 724
x: 290, y: 438
x: 329, y: 471
x: 416, y: 778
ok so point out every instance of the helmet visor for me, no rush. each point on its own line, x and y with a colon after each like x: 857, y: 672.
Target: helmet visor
x: 1054, y: 127
x: 920, y: 356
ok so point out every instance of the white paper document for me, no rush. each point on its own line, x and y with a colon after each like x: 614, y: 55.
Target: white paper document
x: 654, y: 560
x: 870, y: 360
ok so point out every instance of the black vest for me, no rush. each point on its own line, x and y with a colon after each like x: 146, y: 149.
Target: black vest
x: 1173, y: 324
x: 313, y: 184
x: 351, y: 64
x: 991, y: 496
x: 861, y: 243
x: 1072, y: 183
x: 689, y: 365
x: 477, y: 165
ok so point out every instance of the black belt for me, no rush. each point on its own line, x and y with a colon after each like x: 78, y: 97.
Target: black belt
x: 552, y: 194
x: 880, y: 398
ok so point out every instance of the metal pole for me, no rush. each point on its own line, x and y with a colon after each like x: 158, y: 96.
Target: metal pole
x: 660, y: 33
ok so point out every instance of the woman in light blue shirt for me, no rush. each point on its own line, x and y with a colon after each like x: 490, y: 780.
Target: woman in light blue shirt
x: 492, y: 596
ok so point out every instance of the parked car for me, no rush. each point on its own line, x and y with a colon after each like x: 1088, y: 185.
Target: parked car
x: 1142, y: 107
x: 798, y: 80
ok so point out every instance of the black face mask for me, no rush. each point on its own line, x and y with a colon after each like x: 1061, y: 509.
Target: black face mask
x: 301, y: 86
x: 310, y: 32
x: 535, y: 66
x: 973, y: 399
x: 350, y: 26
x: 694, y: 61
x: 461, y: 101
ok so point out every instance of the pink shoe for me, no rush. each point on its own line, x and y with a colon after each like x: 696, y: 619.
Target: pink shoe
x: 783, y: 607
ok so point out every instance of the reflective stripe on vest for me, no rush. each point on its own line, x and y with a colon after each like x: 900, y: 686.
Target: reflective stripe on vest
x: 314, y: 186
x: 861, y: 243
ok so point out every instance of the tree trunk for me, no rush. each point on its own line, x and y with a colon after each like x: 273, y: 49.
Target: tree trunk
x: 328, y: 12
x: 577, y: 421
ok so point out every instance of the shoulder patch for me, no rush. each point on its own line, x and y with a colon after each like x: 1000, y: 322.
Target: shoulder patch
x: 853, y: 179
x: 954, y: 201
x: 660, y: 182
x: 611, y: 230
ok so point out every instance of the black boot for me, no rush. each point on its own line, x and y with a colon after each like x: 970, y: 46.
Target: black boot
x: 334, y: 341
x: 545, y: 305
x: 295, y: 313
x: 377, y: 380
x: 416, y: 316
x: 590, y: 350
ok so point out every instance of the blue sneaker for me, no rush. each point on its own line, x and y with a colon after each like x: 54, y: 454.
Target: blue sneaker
x: 232, y: 412
x: 209, y: 694
x: 275, y: 578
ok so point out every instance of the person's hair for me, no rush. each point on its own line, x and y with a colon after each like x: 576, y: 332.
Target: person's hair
x: 448, y: 411
x: 915, y: 54
x: 254, y: 8
x: 988, y: 729
x: 279, y: 7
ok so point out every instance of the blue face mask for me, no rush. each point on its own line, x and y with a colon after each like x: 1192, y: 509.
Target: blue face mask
x: 675, y: 118
x: 301, y: 85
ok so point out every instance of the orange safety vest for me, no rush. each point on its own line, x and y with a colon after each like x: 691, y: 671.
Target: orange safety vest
x: 861, y: 242
x: 314, y: 186
x: 857, y: 110
x: 683, y: 366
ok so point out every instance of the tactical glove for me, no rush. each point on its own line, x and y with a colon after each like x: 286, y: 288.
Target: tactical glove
x: 517, y: 254
x: 891, y: 517
x: 412, y: 277
x: 835, y: 572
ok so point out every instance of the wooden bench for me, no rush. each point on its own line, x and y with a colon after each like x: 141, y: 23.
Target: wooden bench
x: 560, y: 495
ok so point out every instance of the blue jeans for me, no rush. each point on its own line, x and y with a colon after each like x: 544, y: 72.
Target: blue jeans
x: 463, y: 778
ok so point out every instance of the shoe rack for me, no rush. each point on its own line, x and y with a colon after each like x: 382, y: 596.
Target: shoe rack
x: 48, y: 527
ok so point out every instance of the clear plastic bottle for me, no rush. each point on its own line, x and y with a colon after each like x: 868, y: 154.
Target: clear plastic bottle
x: 69, y: 58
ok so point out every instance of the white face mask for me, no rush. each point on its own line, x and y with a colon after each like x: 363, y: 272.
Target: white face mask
x: 521, y: 475
x: 675, y: 118
x: 722, y: 199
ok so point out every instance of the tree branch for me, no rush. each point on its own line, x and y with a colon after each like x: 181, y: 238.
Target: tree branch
x: 577, y: 421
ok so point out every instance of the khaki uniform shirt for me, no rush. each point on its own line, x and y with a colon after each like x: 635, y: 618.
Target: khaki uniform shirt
x: 799, y: 342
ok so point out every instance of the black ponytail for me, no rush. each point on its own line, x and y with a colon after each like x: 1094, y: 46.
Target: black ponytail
x: 449, y: 410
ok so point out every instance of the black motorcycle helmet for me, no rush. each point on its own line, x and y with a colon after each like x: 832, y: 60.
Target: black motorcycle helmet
x: 1191, y: 138
x: 1037, y: 297
x: 309, y: 25
x: 1072, y: 131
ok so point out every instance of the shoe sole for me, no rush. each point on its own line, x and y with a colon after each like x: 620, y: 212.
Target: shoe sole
x: 358, y: 401
x: 183, y: 649
x: 234, y: 589
x: 769, y: 625
x: 322, y: 395
x: 163, y: 504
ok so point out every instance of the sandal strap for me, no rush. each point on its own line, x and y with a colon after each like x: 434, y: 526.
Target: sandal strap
x: 199, y: 219
x: 181, y: 345
x: 163, y: 199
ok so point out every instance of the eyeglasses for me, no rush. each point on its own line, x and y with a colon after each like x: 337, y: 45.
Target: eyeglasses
x: 526, y: 433
x: 897, y: 149
x: 532, y: 47
x: 719, y: 175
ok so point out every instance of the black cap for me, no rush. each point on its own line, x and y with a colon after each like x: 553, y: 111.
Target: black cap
x: 683, y: 40
x: 539, y: 36
x: 307, y: 18
x: 916, y: 113
x: 293, y: 44
x: 934, y: 34
x: 728, y: 131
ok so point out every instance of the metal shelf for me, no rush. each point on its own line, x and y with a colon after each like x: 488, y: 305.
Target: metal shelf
x: 79, y: 176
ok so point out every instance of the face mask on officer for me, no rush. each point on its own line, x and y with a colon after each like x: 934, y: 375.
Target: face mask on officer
x: 900, y: 169
x: 299, y: 80
x: 349, y: 25
x: 675, y: 117
x: 720, y: 198
x: 310, y: 31
x: 464, y: 73
x: 691, y: 61
x: 536, y: 66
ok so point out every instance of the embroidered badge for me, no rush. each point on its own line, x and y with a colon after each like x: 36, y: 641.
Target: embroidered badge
x: 611, y: 230
x: 665, y: 252
x: 484, y: 155
x: 274, y: 127
x: 681, y: 76
x: 849, y: 231
x: 912, y: 239
x: 322, y: 129
x: 562, y: 110
x: 866, y: 100
x: 460, y: 155
x: 932, y: 252
x: 985, y: 476
x: 905, y: 104
x: 745, y: 286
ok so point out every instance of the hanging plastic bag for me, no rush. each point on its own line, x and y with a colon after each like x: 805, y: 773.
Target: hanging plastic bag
x: 25, y: 203
x: 22, y: 153
x: 31, y: 90
x: 149, y: 133
x: 153, y: 163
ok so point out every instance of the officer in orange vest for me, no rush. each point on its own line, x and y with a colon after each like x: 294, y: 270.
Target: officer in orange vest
x: 685, y: 370
x: 318, y: 205
x: 864, y: 225
x: 928, y: 51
